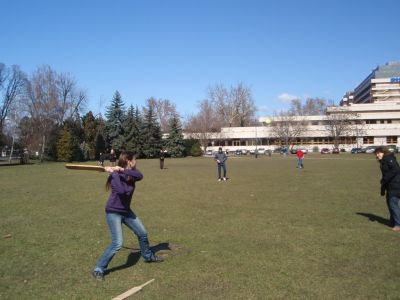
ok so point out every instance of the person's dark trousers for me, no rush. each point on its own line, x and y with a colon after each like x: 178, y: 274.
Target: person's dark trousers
x: 161, y: 164
x: 391, y: 219
x: 219, y: 170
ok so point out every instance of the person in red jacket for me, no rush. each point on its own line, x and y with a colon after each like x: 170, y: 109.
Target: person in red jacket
x: 300, y: 156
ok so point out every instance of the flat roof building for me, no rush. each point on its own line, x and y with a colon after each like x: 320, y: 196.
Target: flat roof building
x: 372, y: 113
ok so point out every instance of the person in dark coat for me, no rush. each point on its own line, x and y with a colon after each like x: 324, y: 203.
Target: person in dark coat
x: 113, y: 157
x: 390, y: 184
x: 220, y: 157
x: 162, y: 157
x: 101, y: 159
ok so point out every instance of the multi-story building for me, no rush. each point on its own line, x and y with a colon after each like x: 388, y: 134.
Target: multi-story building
x: 382, y: 85
x: 372, y: 113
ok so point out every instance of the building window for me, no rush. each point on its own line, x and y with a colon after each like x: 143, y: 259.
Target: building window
x: 389, y: 121
x: 391, y: 140
x: 371, y: 122
x: 368, y: 140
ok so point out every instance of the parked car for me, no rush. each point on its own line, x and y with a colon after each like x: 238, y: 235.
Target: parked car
x: 392, y: 148
x: 240, y: 152
x: 370, y: 149
x: 209, y: 152
x: 335, y: 151
x: 356, y: 150
x: 325, y: 151
x: 294, y: 150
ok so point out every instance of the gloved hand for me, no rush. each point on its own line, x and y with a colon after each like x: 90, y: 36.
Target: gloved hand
x: 383, y: 191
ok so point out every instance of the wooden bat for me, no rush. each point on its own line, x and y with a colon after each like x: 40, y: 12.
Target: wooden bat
x: 85, y: 167
x: 132, y: 291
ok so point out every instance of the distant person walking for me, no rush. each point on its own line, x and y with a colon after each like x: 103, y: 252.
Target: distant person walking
x: 162, y: 157
x: 300, y: 157
x: 390, y: 184
x: 101, y: 159
x: 220, y: 157
x: 113, y: 157
x: 122, y: 182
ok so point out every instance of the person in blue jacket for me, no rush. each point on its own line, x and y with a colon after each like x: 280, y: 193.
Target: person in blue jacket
x: 121, y: 181
x: 220, y: 157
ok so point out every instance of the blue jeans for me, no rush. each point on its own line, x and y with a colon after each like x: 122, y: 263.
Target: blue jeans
x: 114, y: 221
x: 394, y: 209
x: 219, y: 170
x: 299, y: 163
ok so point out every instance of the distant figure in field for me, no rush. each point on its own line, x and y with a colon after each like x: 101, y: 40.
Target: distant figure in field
x: 300, y: 157
x: 122, y: 182
x: 220, y: 157
x: 390, y: 184
x: 101, y: 159
x: 162, y: 157
x: 113, y: 158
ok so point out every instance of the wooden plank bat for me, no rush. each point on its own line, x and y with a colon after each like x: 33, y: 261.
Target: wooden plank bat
x: 85, y: 167
x: 132, y: 291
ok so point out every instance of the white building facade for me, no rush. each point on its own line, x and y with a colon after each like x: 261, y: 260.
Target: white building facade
x: 374, y: 107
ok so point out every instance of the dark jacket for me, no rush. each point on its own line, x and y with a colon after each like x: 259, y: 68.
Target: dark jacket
x: 221, y: 157
x: 390, y: 181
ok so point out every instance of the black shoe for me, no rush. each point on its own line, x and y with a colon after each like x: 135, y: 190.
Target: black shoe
x: 98, y: 275
x: 155, y: 258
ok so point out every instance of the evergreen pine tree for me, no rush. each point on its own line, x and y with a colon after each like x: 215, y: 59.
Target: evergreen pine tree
x: 132, y: 129
x: 151, y: 134
x: 115, y: 115
x: 90, y: 133
x: 175, y: 143
x: 65, y: 147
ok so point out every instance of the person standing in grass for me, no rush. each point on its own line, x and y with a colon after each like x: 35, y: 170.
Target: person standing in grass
x: 162, y: 157
x: 113, y: 157
x: 300, y: 157
x: 121, y: 181
x: 220, y: 157
x: 390, y: 184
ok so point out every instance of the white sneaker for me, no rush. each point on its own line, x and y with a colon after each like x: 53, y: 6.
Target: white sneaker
x: 219, y: 179
x: 224, y: 178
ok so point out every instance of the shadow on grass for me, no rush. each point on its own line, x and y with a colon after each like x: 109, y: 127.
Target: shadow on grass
x: 135, y: 255
x: 6, y: 164
x: 375, y: 218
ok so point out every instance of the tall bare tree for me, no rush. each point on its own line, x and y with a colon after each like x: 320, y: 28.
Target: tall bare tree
x: 12, y: 82
x: 204, y: 125
x: 287, y: 127
x: 311, y: 107
x: 165, y: 110
x: 341, y: 122
x: 234, y: 107
x: 244, y: 104
x: 51, y: 98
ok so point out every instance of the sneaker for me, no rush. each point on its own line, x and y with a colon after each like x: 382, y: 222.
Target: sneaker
x: 224, y: 178
x: 219, y: 179
x: 396, y: 228
x: 155, y: 258
x: 98, y: 275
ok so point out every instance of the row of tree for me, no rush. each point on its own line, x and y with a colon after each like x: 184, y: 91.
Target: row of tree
x: 42, y: 112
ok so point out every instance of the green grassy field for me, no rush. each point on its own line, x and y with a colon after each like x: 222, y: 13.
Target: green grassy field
x: 270, y: 232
